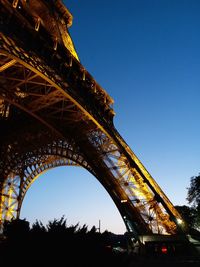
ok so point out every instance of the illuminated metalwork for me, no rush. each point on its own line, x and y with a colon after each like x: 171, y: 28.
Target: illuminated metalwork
x: 15, y: 186
x: 53, y: 113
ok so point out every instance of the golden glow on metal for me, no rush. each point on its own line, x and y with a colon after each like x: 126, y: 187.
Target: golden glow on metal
x: 83, y: 75
x: 15, y: 3
x: 12, y: 197
x: 68, y: 43
x: 37, y: 24
x: 4, y: 109
x: 126, y: 179
x: 149, y: 177
x: 7, y: 65
x: 179, y: 221
x: 90, y: 117
x: 9, y: 197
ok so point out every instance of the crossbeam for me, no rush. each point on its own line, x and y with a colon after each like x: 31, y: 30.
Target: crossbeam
x: 7, y: 65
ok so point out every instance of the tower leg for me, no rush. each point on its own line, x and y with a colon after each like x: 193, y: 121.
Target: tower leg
x: 9, y: 197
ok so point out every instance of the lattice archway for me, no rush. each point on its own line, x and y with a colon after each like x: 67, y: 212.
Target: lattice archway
x: 61, y: 153
x: 15, y: 186
x: 44, y: 85
x: 21, y: 171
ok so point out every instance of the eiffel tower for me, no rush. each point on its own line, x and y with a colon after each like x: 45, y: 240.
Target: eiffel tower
x: 54, y: 113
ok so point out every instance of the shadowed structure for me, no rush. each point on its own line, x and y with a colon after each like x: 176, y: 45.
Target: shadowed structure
x: 54, y: 113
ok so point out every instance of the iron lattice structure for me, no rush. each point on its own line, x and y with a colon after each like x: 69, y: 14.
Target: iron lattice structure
x: 53, y: 113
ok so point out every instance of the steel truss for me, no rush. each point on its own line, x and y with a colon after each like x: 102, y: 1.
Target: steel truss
x: 53, y: 113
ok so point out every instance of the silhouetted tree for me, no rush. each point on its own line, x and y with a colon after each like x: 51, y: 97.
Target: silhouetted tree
x: 193, y: 195
x: 83, y: 230
x: 38, y: 227
x: 16, y: 234
x: 93, y: 230
x: 56, y: 244
x: 193, y: 198
x: 16, y: 228
x: 189, y: 215
x: 57, y: 226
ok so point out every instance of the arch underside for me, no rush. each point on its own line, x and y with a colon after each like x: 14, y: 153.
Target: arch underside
x: 16, y: 186
x: 43, y: 126
x: 19, y: 180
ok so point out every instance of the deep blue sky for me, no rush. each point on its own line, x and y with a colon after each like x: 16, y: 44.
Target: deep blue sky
x: 146, y: 55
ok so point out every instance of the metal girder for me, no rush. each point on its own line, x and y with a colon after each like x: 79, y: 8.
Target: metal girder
x: 62, y: 114
x: 7, y: 65
x: 26, y: 170
x: 15, y: 186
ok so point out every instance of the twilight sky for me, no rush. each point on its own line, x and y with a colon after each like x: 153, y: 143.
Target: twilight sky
x: 146, y: 55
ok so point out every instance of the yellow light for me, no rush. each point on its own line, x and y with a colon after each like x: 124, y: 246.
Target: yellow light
x: 179, y: 221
